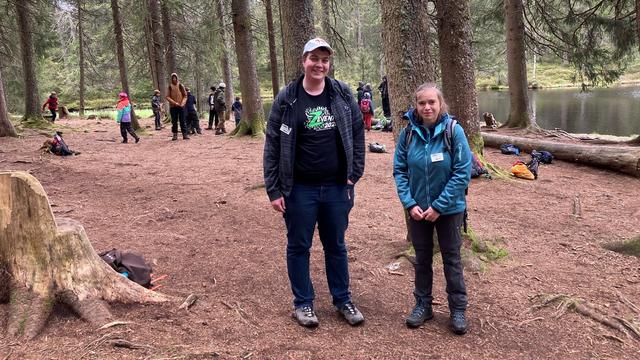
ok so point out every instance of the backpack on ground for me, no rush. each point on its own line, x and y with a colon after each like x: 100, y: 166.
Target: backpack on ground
x: 130, y: 265
x: 377, y: 148
x: 365, y: 106
x: 509, y: 149
x: 477, y: 169
x: 544, y: 157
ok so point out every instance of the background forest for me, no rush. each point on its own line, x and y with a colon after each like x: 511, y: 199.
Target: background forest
x: 597, y: 52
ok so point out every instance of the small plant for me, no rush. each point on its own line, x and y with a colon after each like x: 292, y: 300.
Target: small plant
x: 628, y: 247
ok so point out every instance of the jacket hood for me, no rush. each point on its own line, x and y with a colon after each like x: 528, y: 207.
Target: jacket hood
x: 176, y: 75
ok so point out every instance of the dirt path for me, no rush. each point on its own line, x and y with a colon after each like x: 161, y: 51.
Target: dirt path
x: 197, y: 211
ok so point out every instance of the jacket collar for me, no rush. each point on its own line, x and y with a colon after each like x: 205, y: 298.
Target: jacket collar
x: 292, y: 89
x: 412, y: 116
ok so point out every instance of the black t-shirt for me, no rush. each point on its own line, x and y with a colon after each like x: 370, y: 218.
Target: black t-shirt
x: 319, y: 157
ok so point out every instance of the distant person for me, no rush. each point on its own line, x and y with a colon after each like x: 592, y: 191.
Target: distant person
x: 313, y: 156
x: 211, y: 101
x: 156, y: 106
x: 431, y: 180
x: 384, y: 94
x: 177, y: 98
x: 193, y: 123
x: 368, y: 90
x: 360, y: 91
x: 366, y: 107
x: 52, y: 105
x: 221, y: 107
x: 236, y: 107
x: 123, y: 118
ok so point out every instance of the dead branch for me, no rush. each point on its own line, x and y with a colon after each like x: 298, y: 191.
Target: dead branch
x: 626, y: 301
x: 114, y: 323
x: 188, y: 302
x: 612, y: 337
x: 628, y: 325
x: 127, y: 344
x: 530, y: 321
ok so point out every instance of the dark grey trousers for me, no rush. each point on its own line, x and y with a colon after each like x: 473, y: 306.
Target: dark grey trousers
x: 448, y: 229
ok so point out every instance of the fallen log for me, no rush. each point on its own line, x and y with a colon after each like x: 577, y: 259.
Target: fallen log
x: 622, y: 159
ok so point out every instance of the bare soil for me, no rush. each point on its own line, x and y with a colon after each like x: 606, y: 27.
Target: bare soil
x: 198, y: 211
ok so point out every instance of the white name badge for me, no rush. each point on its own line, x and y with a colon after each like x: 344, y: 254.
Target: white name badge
x: 437, y: 157
x: 287, y: 130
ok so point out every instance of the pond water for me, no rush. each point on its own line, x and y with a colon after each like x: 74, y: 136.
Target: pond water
x: 611, y: 111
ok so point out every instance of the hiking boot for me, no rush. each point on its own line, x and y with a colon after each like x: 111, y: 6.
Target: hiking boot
x: 218, y: 132
x: 419, y: 315
x: 137, y: 139
x: 208, y: 128
x: 458, y: 323
x: 305, y: 316
x: 125, y: 141
x: 351, y: 313
x: 175, y: 137
x: 185, y: 136
x: 199, y: 132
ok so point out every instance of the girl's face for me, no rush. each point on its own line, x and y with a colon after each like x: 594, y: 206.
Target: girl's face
x: 428, y: 106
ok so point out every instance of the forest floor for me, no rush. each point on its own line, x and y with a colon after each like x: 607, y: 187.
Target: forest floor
x: 198, y: 211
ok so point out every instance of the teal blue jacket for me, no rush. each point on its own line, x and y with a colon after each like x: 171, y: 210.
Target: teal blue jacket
x: 426, y: 173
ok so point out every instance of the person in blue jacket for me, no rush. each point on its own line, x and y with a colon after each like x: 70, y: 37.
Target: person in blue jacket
x: 431, y: 179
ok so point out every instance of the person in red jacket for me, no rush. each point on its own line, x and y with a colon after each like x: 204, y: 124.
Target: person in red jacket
x: 52, y: 103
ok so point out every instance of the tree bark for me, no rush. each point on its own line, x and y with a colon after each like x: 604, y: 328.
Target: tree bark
x: 297, y: 29
x: 637, y: 8
x: 170, y: 54
x: 31, y: 98
x: 273, y: 57
x: 406, y: 50
x: 81, y: 56
x: 224, y: 58
x: 51, y: 260
x: 6, y: 127
x: 622, y: 159
x: 158, y: 49
x: 458, y: 67
x: 151, y: 56
x: 325, y: 12
x: 253, y: 115
x: 519, y: 108
x: 124, y: 79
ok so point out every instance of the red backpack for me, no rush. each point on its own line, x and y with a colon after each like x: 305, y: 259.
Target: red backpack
x: 365, y: 106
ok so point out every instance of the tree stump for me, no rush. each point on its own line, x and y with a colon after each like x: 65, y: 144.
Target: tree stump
x: 490, y: 120
x: 44, y: 260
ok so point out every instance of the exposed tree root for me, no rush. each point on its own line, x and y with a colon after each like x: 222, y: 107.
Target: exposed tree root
x: 584, y: 308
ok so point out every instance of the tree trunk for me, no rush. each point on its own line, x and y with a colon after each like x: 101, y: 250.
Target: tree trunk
x: 637, y: 8
x: 6, y: 127
x: 284, y: 57
x: 124, y: 79
x: 622, y: 159
x: 170, y: 54
x: 151, y: 56
x: 224, y: 58
x: 31, y: 99
x: 51, y: 260
x: 519, y: 109
x: 81, y: 56
x: 158, y: 49
x: 325, y: 13
x: 458, y: 68
x: 253, y: 115
x: 406, y: 50
x: 297, y: 29
x: 273, y: 57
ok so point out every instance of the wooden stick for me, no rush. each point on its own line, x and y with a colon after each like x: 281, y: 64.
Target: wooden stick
x: 631, y: 305
x: 529, y: 321
x: 114, y: 323
x: 188, y: 302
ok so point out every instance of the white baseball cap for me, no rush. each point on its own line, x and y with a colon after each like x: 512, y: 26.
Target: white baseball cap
x: 316, y: 43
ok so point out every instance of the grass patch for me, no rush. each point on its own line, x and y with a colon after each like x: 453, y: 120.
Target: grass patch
x: 627, y: 247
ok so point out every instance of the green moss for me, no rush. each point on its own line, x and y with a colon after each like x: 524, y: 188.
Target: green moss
x: 628, y: 247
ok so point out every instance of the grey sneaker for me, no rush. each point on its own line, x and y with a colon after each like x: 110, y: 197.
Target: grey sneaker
x: 419, y: 315
x: 305, y: 316
x: 352, y: 314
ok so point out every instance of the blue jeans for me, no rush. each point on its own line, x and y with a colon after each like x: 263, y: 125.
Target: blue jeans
x: 329, y: 207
